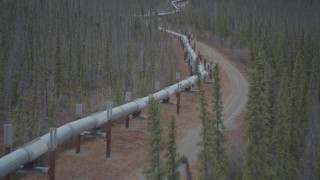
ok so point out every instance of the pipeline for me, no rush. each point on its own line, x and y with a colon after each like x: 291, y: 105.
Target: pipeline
x: 173, y: 3
x: 34, y: 149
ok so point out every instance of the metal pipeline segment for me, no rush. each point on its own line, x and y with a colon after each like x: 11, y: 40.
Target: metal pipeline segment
x: 38, y: 147
x: 173, y: 3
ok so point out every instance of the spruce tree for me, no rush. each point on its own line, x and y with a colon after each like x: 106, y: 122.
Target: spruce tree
x: 219, y: 158
x: 318, y: 165
x: 281, y: 134
x: 314, y: 112
x: 204, y: 155
x: 213, y: 155
x: 297, y: 111
x: 255, y: 162
x: 291, y: 124
x: 268, y: 118
x: 154, y: 168
x: 172, y: 156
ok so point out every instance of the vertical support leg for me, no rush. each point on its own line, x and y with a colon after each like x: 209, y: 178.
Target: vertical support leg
x: 7, y: 142
x: 210, y: 74
x: 108, y: 147
x: 7, y: 150
x: 178, y: 102
x: 52, y: 169
x: 78, y: 138
x: 127, y: 121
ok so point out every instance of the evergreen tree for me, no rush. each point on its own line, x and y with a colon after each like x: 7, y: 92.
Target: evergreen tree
x: 172, y: 156
x: 217, y: 150
x: 268, y: 118
x: 283, y: 114
x: 255, y: 150
x: 213, y: 154
x: 314, y: 114
x: 317, y: 175
x: 290, y: 129
x: 154, y: 168
x: 281, y: 133
x: 204, y: 155
x: 297, y: 112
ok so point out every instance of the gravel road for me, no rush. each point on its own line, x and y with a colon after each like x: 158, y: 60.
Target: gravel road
x: 232, y: 107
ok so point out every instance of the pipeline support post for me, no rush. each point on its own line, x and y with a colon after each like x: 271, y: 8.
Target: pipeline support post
x: 157, y: 85
x: 211, y: 67
x: 52, y: 169
x: 108, y: 147
x: 128, y: 99
x: 7, y: 142
x: 178, y: 102
x: 78, y: 139
x: 109, y: 125
x: 177, y: 77
x: 178, y: 94
x: 127, y: 121
x: 7, y: 138
x: 78, y: 136
x: 52, y: 153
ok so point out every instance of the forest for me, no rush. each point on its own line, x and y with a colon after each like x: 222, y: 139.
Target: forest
x: 279, y: 41
x: 55, y: 54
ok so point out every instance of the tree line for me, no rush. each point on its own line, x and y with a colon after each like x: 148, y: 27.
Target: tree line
x: 281, y: 139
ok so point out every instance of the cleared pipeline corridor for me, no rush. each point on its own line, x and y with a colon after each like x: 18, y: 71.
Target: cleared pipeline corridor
x: 188, y: 145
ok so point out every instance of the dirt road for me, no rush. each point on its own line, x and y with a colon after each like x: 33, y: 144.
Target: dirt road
x: 232, y: 107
